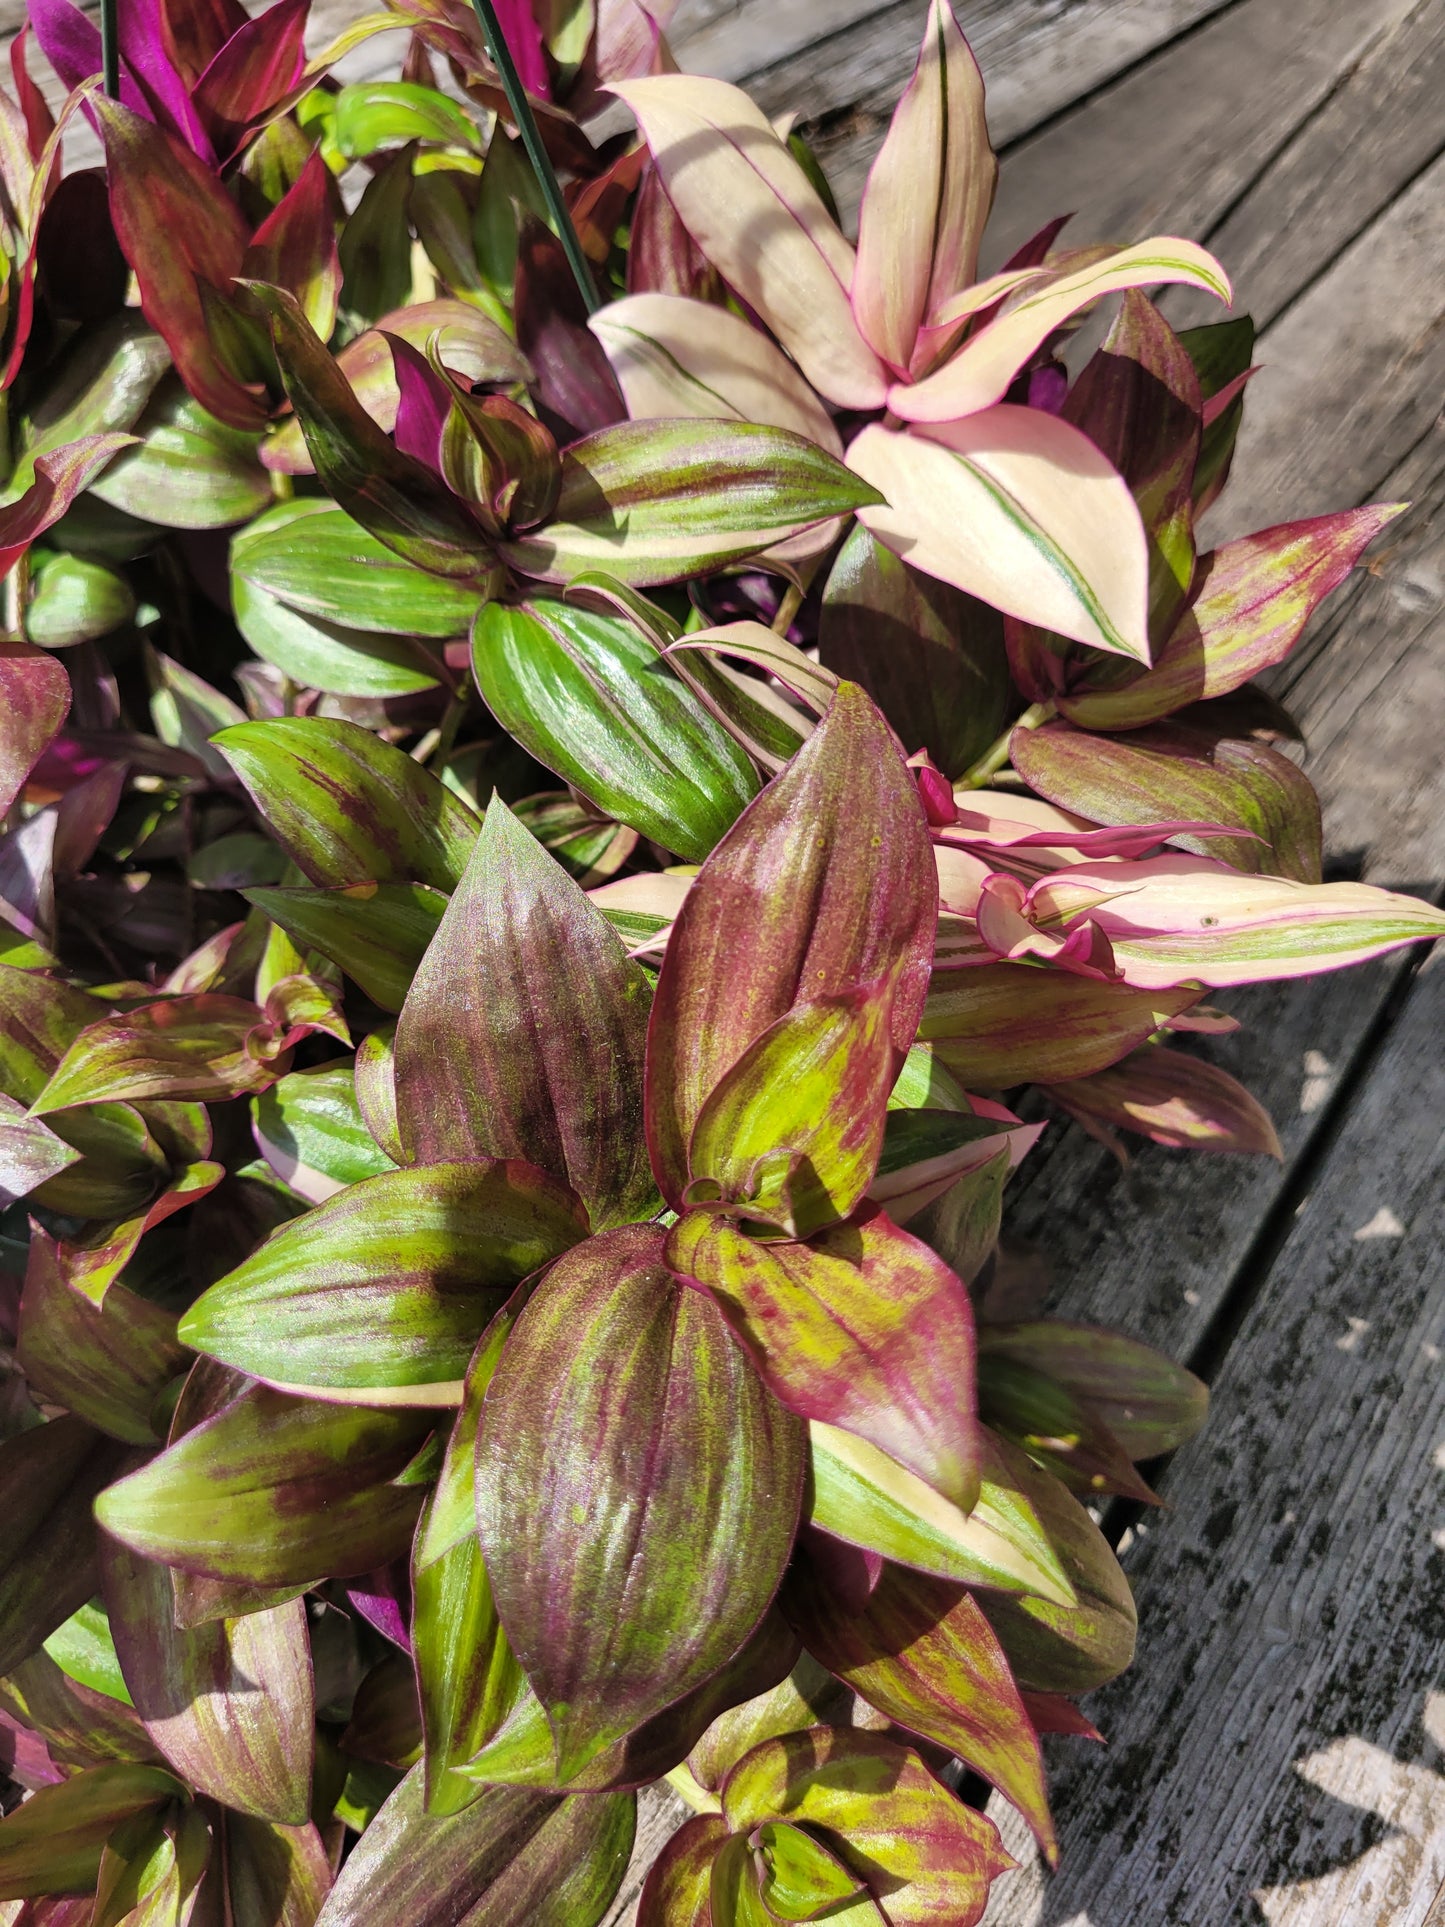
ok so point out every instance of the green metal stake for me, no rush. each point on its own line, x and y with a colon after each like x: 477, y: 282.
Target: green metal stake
x: 536, y: 153
x: 110, y: 46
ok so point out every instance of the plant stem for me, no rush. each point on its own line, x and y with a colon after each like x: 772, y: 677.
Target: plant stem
x: 110, y: 46
x: 526, y: 120
x: 789, y: 606
x: 996, y: 755
x: 697, y: 1797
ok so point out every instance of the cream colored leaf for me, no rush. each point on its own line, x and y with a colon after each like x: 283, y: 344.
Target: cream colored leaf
x: 1020, y: 509
x: 760, y: 221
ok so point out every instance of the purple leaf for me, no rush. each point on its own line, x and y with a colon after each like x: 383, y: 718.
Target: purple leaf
x: 776, y: 917
x: 524, y: 1031
x: 257, y: 66
x: 628, y: 1456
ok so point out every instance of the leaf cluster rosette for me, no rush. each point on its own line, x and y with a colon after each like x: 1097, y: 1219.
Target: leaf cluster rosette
x: 545, y: 839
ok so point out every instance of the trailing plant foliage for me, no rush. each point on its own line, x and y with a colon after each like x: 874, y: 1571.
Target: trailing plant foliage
x: 541, y: 846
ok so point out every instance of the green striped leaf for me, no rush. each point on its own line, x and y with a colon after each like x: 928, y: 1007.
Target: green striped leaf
x: 875, y: 1806
x: 467, y: 1677
x: 54, y: 1842
x: 659, y: 501
x: 203, y: 1047
x: 1173, y: 772
x: 312, y: 558
x: 1250, y: 603
x: 863, y: 1327
x: 348, y: 808
x: 861, y: 1495
x: 1149, y: 1403
x: 402, y: 502
x: 376, y: 932
x: 380, y: 1295
x: 275, y: 1491
x: 775, y: 917
x: 230, y: 1704
x: 1055, y: 1648
x: 328, y: 656
x: 589, y: 696
x: 1003, y: 1024
x: 794, y: 1130
x: 922, y: 1653
x: 516, y: 1855
x: 523, y: 1033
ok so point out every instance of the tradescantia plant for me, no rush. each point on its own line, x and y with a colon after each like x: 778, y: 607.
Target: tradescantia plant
x: 548, y: 819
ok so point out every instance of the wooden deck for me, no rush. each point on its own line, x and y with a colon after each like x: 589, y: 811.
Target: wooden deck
x: 1277, y: 1753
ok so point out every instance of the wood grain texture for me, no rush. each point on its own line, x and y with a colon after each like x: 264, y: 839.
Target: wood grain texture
x: 659, y: 1815
x: 1353, y: 372
x: 1373, y: 685
x: 1275, y: 1752
x: 1381, y: 123
x: 841, y: 65
x: 1171, y: 146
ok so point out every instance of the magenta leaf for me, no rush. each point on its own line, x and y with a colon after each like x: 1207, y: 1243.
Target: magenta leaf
x: 183, y: 235
x: 35, y: 693
x: 1251, y: 601
x: 59, y: 478
x: 258, y: 65
x: 295, y: 246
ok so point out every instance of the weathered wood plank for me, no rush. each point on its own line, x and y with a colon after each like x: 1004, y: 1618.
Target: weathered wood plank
x: 659, y: 1815
x: 1380, y: 125
x: 1274, y: 1754
x: 844, y: 62
x: 1355, y: 367
x: 1172, y: 145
